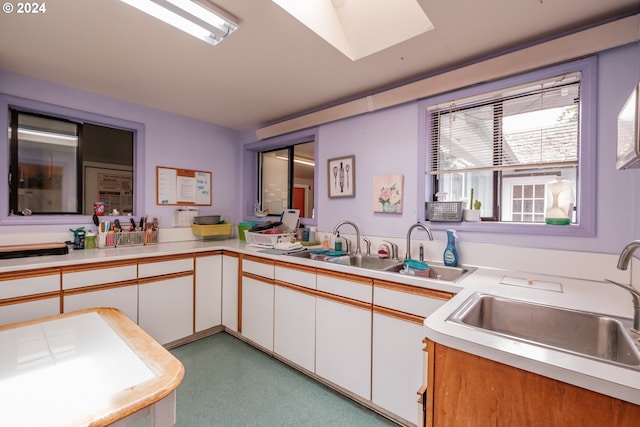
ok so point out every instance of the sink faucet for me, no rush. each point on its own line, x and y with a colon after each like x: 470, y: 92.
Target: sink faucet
x: 413, y: 227
x: 341, y: 223
x: 368, y: 243
x: 623, y: 264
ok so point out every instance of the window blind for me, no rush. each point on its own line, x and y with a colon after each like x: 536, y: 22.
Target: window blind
x: 519, y: 129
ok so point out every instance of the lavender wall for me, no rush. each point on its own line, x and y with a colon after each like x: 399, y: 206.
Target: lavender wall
x: 386, y: 142
x: 170, y: 140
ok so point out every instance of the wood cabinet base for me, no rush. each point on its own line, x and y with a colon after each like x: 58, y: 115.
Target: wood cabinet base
x: 473, y: 391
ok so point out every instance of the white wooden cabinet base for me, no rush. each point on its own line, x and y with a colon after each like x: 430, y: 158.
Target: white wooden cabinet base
x: 257, y: 311
x: 230, y: 276
x: 294, y: 326
x: 397, y: 365
x: 124, y: 298
x: 165, y: 308
x: 343, y: 345
x: 208, y: 297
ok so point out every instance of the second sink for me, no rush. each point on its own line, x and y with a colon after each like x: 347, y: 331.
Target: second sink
x: 588, y: 334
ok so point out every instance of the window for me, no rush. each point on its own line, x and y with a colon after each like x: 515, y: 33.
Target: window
x: 507, y: 141
x: 62, y: 160
x: 286, y: 177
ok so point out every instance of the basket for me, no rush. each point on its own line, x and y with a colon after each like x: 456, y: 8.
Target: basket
x: 444, y: 211
x: 267, y: 240
x: 128, y: 238
x: 212, y: 231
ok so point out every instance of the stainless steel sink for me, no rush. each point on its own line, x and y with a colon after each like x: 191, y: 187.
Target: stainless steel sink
x: 588, y: 334
x: 442, y: 272
x: 362, y: 261
x: 371, y: 262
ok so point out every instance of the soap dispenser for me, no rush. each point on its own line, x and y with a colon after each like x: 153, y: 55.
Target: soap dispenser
x: 450, y: 252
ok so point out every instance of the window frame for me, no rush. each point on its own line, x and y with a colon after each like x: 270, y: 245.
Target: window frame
x: 251, y: 162
x: 585, y: 191
x: 74, y: 115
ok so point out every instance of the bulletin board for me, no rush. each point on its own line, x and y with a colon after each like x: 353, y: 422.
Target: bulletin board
x: 182, y: 187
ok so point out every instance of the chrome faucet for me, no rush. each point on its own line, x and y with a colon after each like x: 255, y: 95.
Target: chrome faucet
x: 367, y: 242
x: 413, y: 227
x: 623, y: 264
x: 341, y: 223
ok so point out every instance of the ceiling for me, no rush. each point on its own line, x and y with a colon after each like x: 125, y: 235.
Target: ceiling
x: 272, y: 67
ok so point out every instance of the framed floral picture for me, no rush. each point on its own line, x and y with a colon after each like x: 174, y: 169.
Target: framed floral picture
x: 387, y: 193
x: 341, y: 177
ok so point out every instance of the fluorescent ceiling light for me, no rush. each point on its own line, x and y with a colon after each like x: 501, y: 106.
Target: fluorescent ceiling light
x: 300, y: 160
x: 359, y: 28
x: 203, y: 21
x: 46, y: 137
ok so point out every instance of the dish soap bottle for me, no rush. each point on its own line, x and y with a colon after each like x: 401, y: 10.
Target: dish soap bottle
x: 451, y: 253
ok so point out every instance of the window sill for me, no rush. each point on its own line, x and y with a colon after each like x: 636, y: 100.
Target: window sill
x: 573, y: 230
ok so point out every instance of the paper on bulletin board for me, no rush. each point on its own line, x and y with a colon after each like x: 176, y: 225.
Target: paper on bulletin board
x: 183, y: 187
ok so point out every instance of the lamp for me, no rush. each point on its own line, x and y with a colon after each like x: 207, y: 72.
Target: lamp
x: 203, y: 21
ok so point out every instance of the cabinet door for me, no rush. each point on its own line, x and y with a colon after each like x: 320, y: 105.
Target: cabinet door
x: 343, y: 345
x: 257, y: 311
x: 208, y: 298
x: 165, y: 307
x: 230, y: 265
x: 397, y: 371
x: 22, y: 311
x: 124, y: 298
x: 294, y: 326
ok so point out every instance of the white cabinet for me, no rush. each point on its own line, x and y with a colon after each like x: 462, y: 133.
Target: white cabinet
x: 295, y: 315
x: 165, y: 302
x: 30, y: 294
x: 397, y: 356
x: 208, y: 292
x: 105, y: 284
x: 343, y: 331
x: 124, y: 298
x: 230, y: 266
x: 257, y: 301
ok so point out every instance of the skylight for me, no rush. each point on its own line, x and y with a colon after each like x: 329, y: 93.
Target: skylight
x: 359, y: 28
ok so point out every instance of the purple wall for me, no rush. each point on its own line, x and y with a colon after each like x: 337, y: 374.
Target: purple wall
x: 386, y: 142
x: 170, y: 140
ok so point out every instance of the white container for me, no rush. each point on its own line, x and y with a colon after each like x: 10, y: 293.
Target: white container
x: 559, y: 202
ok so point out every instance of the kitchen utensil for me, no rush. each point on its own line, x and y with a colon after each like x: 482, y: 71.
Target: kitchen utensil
x: 96, y: 221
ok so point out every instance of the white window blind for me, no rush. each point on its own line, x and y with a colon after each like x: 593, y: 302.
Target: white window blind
x: 528, y: 127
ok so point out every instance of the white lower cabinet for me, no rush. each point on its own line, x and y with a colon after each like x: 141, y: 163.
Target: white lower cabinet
x: 343, y: 345
x: 208, y: 293
x: 257, y: 310
x: 294, y: 326
x: 397, y: 349
x: 397, y: 365
x: 230, y: 266
x: 29, y: 294
x: 165, y: 307
x: 124, y: 298
x: 19, y: 312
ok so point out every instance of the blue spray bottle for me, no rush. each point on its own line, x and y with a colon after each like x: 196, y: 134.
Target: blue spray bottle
x: 450, y: 252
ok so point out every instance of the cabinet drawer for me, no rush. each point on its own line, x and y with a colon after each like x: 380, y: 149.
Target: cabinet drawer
x: 354, y: 287
x: 29, y: 283
x: 98, y: 275
x: 296, y: 275
x: 408, y: 299
x: 161, y: 266
x: 259, y: 268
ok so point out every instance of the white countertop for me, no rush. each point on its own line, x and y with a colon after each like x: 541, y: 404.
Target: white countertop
x: 592, y: 296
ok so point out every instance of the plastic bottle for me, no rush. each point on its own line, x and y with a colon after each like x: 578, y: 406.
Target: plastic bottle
x: 451, y: 253
x: 325, y: 242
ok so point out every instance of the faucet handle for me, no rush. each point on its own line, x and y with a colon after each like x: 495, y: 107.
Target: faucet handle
x: 394, y: 249
x: 368, y: 243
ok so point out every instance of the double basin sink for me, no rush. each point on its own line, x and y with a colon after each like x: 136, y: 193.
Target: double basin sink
x: 437, y: 272
x: 596, y: 336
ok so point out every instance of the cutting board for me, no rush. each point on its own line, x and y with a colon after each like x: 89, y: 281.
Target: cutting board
x: 290, y: 218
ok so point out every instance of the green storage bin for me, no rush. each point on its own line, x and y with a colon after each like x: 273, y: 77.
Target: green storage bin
x: 244, y: 226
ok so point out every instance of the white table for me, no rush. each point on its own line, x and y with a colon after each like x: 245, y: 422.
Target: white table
x: 92, y: 367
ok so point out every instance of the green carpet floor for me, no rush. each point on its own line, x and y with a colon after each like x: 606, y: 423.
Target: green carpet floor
x: 229, y: 383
